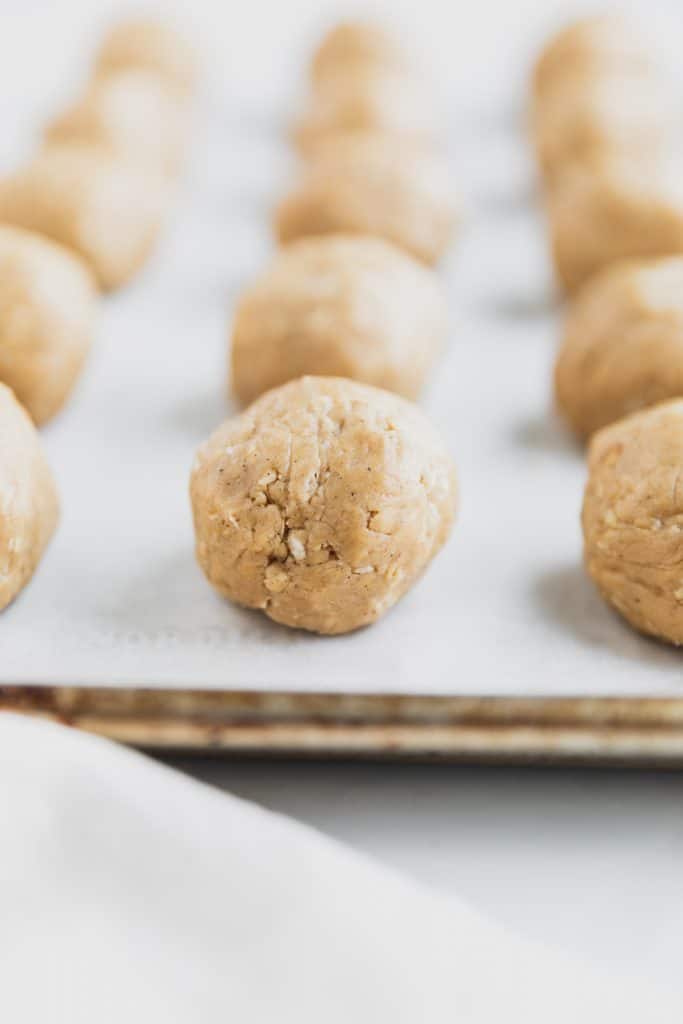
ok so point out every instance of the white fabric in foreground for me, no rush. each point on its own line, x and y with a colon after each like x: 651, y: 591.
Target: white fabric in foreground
x: 129, y: 892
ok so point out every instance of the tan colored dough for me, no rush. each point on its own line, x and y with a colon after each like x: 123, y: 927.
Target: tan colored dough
x: 322, y: 503
x: 633, y: 519
x: 108, y: 212
x: 48, y: 306
x: 613, y: 212
x: 129, y: 114
x: 623, y: 344
x: 354, y: 46
x: 29, y: 507
x: 404, y: 197
x: 339, y: 306
x: 151, y: 45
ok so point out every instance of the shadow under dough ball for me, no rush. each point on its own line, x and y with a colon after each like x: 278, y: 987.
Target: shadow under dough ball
x: 633, y: 519
x: 322, y: 503
x: 29, y: 507
x: 108, y: 212
x: 339, y: 306
x: 48, y: 308
x: 623, y: 344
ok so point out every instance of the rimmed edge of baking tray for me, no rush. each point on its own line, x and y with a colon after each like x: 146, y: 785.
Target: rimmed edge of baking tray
x: 600, y: 730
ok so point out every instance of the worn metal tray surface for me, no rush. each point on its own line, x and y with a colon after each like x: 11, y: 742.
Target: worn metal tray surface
x: 502, y: 650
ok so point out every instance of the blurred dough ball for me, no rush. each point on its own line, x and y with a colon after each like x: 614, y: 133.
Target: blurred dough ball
x: 633, y: 519
x: 371, y: 102
x: 130, y: 115
x: 627, y: 115
x: 48, y: 306
x: 149, y: 45
x: 342, y: 307
x: 322, y: 503
x: 369, y: 187
x: 615, y: 211
x: 353, y: 47
x: 29, y: 507
x: 602, y: 43
x: 107, y: 211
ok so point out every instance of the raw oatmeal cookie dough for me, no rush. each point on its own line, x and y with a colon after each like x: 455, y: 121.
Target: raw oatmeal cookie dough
x: 617, y: 211
x: 153, y: 46
x: 623, y: 344
x: 633, y: 519
x: 29, y: 507
x: 340, y: 306
x: 130, y: 115
x: 371, y: 189
x: 48, y: 306
x: 110, y: 213
x: 353, y: 47
x: 322, y: 503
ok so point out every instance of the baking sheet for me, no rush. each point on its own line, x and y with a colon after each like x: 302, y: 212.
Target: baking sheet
x: 506, y: 609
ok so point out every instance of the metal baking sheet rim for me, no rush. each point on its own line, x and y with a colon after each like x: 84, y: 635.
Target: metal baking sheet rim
x: 600, y: 730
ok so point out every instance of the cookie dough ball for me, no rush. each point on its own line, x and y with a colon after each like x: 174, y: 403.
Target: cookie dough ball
x: 322, y: 503
x: 48, y: 307
x: 616, y: 211
x: 352, y: 47
x: 371, y: 102
x: 29, y: 507
x: 153, y: 46
x: 623, y: 344
x: 130, y: 115
x: 342, y: 307
x: 403, y: 196
x: 633, y: 519
x: 108, y: 212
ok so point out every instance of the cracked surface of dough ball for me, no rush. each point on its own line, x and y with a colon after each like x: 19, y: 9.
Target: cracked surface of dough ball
x: 613, y: 212
x: 130, y: 115
x: 342, y: 307
x: 623, y: 344
x: 353, y: 46
x: 322, y: 503
x: 152, y: 45
x: 371, y: 102
x: 29, y: 507
x: 48, y: 307
x: 403, y: 196
x: 108, y: 212
x: 633, y: 519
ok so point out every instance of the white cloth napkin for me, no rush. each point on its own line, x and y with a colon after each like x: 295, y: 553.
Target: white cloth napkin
x: 129, y: 892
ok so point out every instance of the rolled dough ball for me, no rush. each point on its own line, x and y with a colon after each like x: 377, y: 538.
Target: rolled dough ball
x: 372, y: 101
x: 29, y: 507
x: 353, y: 46
x: 108, y: 212
x: 322, y: 503
x: 369, y: 189
x: 48, y: 306
x: 623, y: 344
x: 616, y: 211
x: 151, y: 45
x: 340, y: 306
x: 130, y: 115
x: 633, y: 519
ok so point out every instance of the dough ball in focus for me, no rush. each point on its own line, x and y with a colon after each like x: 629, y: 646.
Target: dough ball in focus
x: 341, y: 306
x: 108, y: 212
x: 352, y: 47
x: 153, y: 46
x: 322, y: 503
x: 29, y: 507
x: 623, y: 344
x: 48, y: 306
x: 395, y: 193
x: 633, y: 519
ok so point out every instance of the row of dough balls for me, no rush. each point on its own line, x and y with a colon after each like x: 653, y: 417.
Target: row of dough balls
x: 605, y: 124
x: 326, y: 499
x: 84, y: 212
